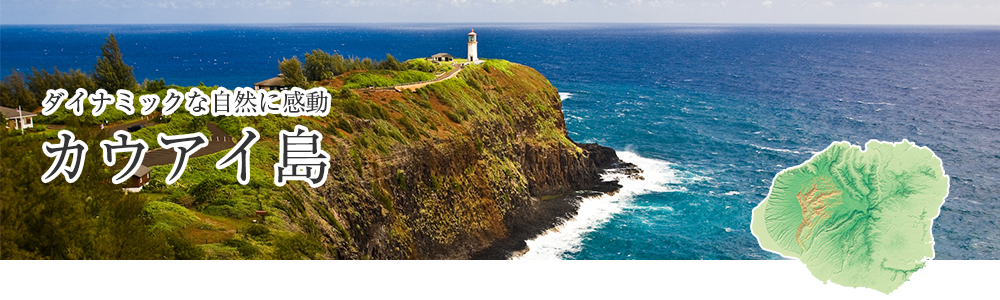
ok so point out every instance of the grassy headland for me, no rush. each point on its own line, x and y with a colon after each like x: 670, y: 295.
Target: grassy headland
x: 441, y: 172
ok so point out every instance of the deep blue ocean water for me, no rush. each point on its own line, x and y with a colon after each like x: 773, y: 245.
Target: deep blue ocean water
x: 712, y: 112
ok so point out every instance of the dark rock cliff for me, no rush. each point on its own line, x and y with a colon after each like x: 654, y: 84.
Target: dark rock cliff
x: 486, y: 165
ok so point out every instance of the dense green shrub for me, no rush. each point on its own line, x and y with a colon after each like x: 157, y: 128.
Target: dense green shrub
x: 354, y: 107
x: 168, y: 216
x: 179, y: 123
x: 343, y: 124
x: 153, y: 86
x: 257, y: 230
x: 420, y: 64
x: 499, y: 65
x: 410, y: 130
x: 296, y: 246
x: 366, y: 80
x: 205, y: 191
x: 320, y: 65
x: 453, y: 116
x: 245, y: 248
x: 183, y: 249
x: 384, y: 78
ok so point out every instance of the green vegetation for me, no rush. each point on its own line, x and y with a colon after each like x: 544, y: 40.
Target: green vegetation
x: 357, y: 73
x: 499, y: 65
x: 383, y: 78
x: 420, y: 64
x: 292, y: 71
x: 258, y: 231
x: 28, y: 91
x: 111, y: 73
x: 387, y: 176
x: 244, y: 247
x: 320, y: 65
x: 296, y: 246
x: 177, y: 123
x: 88, y: 219
x: 169, y: 216
x: 856, y: 218
x: 153, y: 86
x: 390, y: 63
x: 110, y: 115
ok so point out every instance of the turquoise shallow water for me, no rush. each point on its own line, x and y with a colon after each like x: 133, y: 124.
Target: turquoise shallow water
x: 712, y: 112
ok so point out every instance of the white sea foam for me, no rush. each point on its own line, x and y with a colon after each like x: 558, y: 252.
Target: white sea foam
x: 658, y: 177
x: 563, y: 96
x: 781, y: 150
x: 876, y: 103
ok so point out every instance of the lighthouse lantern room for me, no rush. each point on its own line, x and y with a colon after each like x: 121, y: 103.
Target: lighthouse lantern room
x: 473, y: 51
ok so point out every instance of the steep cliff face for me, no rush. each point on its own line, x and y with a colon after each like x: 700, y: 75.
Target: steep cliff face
x: 448, y: 171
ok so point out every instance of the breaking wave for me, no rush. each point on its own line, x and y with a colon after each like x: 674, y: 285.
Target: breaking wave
x: 657, y: 177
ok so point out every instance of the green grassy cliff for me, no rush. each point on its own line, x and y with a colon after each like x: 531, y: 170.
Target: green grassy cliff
x: 440, y: 173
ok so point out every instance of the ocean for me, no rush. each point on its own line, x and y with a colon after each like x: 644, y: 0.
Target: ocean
x: 711, y: 113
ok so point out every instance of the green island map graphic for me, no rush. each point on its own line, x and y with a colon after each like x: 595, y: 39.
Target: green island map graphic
x: 857, y: 218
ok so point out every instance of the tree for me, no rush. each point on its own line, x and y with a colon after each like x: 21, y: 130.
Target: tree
x: 319, y: 65
x: 41, y: 81
x: 88, y: 219
x: 153, y: 86
x: 338, y: 66
x: 14, y: 92
x: 292, y: 70
x: 365, y: 64
x: 111, y: 73
x: 390, y: 63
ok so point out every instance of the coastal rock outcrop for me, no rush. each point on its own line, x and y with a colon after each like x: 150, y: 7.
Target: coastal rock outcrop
x: 487, y: 166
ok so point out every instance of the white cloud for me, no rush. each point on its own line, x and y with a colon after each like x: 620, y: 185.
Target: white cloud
x: 877, y: 5
x: 420, y: 11
x: 714, y: 4
x: 647, y: 2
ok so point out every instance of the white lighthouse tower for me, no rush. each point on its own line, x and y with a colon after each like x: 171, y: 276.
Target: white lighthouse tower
x: 473, y: 50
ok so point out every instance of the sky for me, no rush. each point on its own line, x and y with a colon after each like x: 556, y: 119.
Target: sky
x: 921, y: 12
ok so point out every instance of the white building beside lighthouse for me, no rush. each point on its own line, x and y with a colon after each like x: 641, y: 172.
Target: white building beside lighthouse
x: 473, y: 49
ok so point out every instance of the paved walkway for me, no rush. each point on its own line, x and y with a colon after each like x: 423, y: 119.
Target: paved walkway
x: 217, y: 142
x: 116, y: 127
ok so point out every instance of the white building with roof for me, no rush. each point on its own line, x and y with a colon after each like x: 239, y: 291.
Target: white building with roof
x: 16, y: 118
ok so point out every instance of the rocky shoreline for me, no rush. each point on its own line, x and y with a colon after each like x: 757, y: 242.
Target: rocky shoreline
x: 549, y: 212
x: 487, y: 165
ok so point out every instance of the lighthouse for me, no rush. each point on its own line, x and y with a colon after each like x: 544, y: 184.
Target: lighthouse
x: 473, y: 51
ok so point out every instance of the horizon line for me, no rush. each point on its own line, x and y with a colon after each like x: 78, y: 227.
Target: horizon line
x: 524, y: 23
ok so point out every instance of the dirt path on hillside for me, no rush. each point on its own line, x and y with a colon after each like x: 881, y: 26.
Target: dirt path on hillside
x: 414, y: 86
